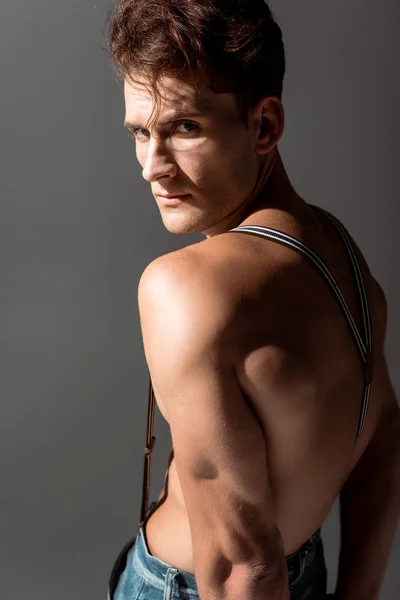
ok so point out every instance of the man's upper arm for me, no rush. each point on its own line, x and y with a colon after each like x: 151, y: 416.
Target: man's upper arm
x: 218, y: 442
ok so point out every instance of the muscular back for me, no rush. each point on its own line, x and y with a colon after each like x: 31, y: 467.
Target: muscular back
x: 308, y: 402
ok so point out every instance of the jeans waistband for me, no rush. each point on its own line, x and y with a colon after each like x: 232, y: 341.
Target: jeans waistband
x: 154, y: 570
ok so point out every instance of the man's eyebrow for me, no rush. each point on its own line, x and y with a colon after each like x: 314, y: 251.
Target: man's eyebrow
x: 169, y: 121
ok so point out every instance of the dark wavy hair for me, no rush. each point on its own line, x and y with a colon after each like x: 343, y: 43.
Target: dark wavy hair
x: 233, y: 45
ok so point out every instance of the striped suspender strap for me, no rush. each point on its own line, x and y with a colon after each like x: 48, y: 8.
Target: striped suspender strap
x: 366, y: 317
x: 364, y: 348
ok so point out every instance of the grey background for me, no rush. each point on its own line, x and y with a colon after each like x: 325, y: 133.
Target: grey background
x: 78, y: 227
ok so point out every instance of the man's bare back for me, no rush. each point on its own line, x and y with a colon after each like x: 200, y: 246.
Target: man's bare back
x: 308, y: 405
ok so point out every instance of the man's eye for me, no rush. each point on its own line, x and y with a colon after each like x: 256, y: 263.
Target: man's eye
x: 181, y: 128
x: 190, y: 127
x: 138, y: 133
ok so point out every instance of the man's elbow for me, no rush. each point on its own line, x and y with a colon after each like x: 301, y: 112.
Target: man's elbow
x: 223, y: 579
x: 266, y: 580
x: 247, y: 558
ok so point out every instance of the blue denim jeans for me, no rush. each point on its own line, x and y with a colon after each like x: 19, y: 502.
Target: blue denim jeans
x: 137, y: 575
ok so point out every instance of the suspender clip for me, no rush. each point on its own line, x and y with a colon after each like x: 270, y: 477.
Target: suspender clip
x: 150, y: 447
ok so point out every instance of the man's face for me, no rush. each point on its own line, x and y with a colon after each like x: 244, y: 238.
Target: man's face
x: 204, y: 151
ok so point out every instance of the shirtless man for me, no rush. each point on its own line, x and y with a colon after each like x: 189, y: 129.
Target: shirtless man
x: 265, y: 349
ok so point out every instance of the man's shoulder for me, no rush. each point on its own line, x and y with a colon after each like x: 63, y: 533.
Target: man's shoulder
x: 196, y: 280
x: 224, y: 268
x: 219, y: 288
x: 223, y: 261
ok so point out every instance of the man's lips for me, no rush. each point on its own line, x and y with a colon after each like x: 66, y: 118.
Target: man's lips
x: 172, y: 195
x: 169, y: 200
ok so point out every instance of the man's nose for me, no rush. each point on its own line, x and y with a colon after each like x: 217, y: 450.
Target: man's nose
x: 158, y: 162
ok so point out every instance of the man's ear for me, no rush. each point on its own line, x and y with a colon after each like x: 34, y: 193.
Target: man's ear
x: 269, y: 123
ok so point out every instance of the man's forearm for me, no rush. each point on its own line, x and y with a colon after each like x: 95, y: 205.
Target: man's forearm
x: 369, y: 507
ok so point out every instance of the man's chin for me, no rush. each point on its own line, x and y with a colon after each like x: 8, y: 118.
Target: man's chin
x: 179, y: 226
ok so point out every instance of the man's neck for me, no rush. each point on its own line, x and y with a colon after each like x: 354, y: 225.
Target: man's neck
x: 272, y: 190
